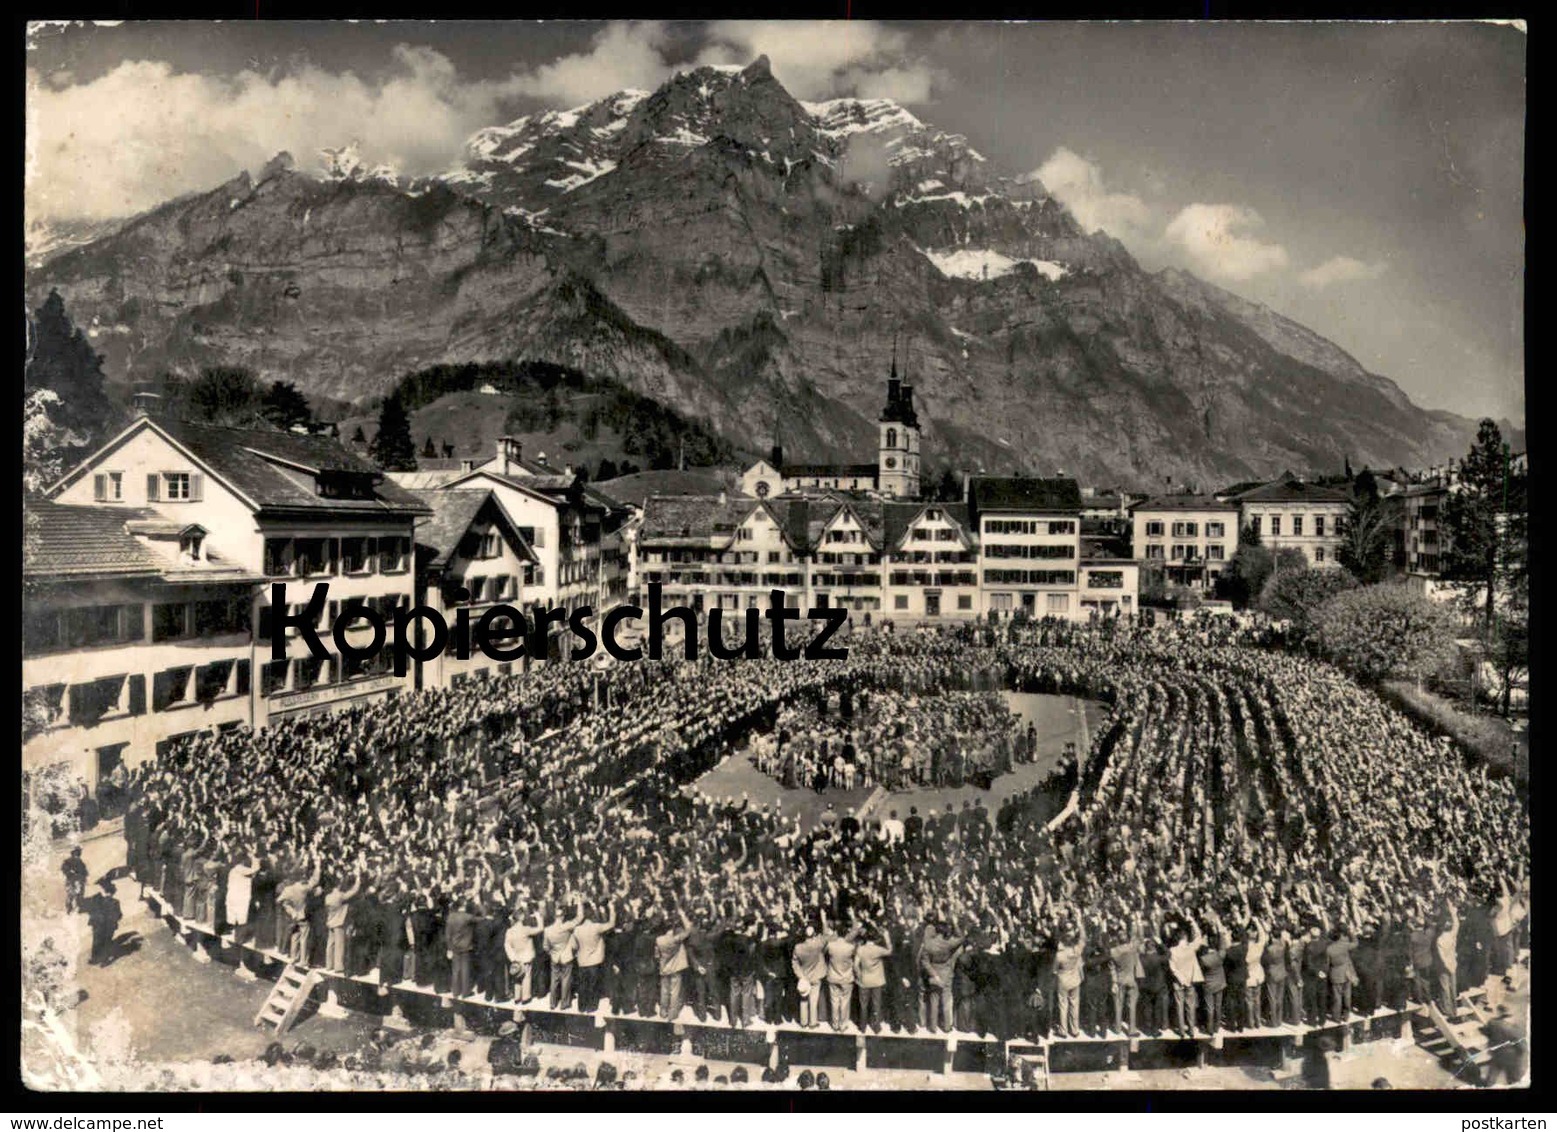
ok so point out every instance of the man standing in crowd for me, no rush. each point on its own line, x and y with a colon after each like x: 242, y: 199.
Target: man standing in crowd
x: 809, y: 960
x: 1125, y: 968
x: 938, y: 960
x: 1446, y: 961
x: 295, y: 929
x: 560, y: 949
x: 590, y: 937
x: 337, y: 917
x: 870, y: 963
x: 840, y: 976
x: 1185, y: 969
x: 670, y: 952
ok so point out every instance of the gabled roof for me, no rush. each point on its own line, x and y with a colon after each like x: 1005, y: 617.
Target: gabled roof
x: 268, y: 469
x: 1294, y: 491
x: 1023, y: 493
x: 898, y: 517
x: 1184, y: 503
x: 453, y: 512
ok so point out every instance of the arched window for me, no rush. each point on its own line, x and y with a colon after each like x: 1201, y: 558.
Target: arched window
x: 891, y: 438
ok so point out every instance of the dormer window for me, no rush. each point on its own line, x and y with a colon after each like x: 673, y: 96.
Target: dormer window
x: 191, y: 545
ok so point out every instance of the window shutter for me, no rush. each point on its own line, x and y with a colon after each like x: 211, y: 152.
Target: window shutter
x: 137, y: 695
x: 196, y: 487
x: 540, y: 537
x: 99, y: 487
x: 241, y: 680
x: 153, y: 488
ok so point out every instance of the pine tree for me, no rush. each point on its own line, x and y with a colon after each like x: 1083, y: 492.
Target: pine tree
x: 1485, y: 524
x: 1365, y: 538
x: 392, y: 448
x: 428, y: 451
x: 607, y: 470
x: 359, y: 437
x: 285, y: 406
x: 62, y: 360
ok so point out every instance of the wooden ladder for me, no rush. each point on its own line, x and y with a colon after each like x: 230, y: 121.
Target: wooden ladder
x: 287, y: 999
x: 1465, y: 1040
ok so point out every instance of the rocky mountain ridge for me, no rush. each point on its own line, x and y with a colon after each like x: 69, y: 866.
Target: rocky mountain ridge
x: 750, y: 260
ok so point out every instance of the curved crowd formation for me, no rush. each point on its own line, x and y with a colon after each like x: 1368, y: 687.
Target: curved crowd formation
x: 1259, y: 841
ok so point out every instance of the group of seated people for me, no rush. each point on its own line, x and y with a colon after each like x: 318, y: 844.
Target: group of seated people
x: 533, y: 841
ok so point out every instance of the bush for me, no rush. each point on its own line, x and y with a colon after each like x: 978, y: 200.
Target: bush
x: 1296, y: 595
x: 1385, y: 631
x: 1489, y: 741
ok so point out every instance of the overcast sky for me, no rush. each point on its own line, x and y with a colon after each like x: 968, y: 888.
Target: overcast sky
x: 1364, y: 179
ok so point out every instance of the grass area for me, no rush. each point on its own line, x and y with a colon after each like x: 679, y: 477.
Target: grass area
x: 1487, y: 737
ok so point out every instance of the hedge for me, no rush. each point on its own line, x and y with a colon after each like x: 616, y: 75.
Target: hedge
x: 1488, y: 740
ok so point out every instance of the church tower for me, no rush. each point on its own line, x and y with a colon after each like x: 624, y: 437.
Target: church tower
x: 897, y: 461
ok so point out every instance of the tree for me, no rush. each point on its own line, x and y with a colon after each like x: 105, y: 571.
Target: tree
x: 1246, y: 574
x: 1365, y: 537
x: 285, y: 406
x: 1296, y: 595
x: 218, y: 395
x: 948, y: 489
x: 607, y: 470
x: 359, y: 437
x: 1386, y: 630
x: 1484, y: 526
x: 392, y: 448
x: 60, y: 359
x: 428, y: 451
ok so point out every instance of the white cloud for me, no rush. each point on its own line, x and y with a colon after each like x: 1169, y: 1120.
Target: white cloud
x: 1340, y: 269
x: 143, y: 133
x: 622, y: 56
x: 1078, y: 184
x: 825, y: 58
x: 1212, y: 236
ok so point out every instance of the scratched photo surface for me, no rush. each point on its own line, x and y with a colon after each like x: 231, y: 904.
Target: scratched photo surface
x: 759, y: 556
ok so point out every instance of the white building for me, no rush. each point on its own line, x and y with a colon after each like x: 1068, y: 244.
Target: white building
x: 1191, y: 538
x: 1029, y: 544
x: 1302, y: 516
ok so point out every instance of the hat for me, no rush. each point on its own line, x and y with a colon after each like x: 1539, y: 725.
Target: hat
x: 508, y: 1029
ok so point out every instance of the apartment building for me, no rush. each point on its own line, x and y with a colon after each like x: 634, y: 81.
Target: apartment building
x: 287, y: 508
x: 1029, y: 534
x: 1191, y: 538
x: 1289, y: 513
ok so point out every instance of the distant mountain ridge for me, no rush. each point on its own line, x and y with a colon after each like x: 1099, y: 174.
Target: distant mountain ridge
x: 747, y: 259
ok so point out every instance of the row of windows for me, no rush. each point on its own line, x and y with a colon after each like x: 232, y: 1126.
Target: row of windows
x: 1297, y: 525
x: 172, y: 487
x: 937, y: 534
x: 1006, y: 603
x: 384, y: 605
x: 302, y: 673
x: 113, y: 697
x: 1029, y: 527
x: 314, y: 557
x: 1030, y: 550
x: 94, y: 625
x: 1029, y: 577
x: 925, y: 556
x: 941, y: 578
x: 1186, y: 529
x: 964, y: 601
x: 1215, y: 552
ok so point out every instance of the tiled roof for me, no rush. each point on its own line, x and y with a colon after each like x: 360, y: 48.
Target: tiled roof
x: 640, y: 486
x: 1184, y: 503
x: 1023, y: 493
x: 693, y: 519
x: 425, y: 479
x: 452, y: 514
x: 69, y: 541
x: 1294, y: 491
x: 65, y: 540
x: 239, y: 456
x: 797, y: 471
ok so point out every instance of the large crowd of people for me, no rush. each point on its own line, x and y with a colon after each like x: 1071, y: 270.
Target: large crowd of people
x: 1257, y: 841
x: 840, y: 741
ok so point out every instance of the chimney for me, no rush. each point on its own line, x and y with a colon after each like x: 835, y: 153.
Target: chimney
x: 509, y: 451
x: 146, y: 403
x: 467, y: 465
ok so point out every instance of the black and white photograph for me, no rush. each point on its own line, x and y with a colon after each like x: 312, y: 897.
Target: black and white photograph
x: 775, y: 557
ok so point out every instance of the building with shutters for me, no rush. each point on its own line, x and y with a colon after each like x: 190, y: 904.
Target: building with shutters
x: 1289, y: 513
x: 470, y: 557
x: 1190, y: 538
x: 1029, y: 534
x: 136, y: 630
x: 282, y: 507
